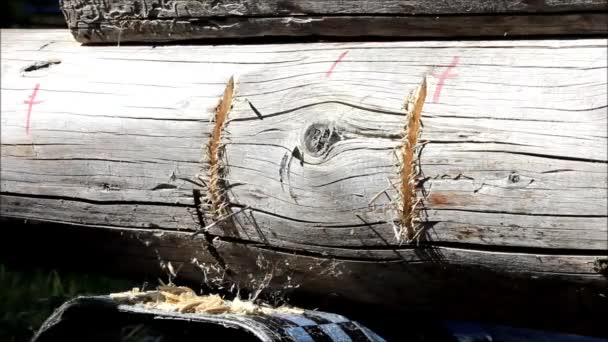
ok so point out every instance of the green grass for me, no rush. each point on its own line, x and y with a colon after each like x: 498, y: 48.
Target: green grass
x: 28, y: 297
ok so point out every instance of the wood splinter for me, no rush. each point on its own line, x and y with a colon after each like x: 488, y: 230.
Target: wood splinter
x: 218, y: 221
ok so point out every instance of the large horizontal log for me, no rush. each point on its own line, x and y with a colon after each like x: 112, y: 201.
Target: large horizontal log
x: 93, y: 21
x: 299, y: 171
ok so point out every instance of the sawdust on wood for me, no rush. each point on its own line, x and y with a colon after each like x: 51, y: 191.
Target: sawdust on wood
x: 185, y: 300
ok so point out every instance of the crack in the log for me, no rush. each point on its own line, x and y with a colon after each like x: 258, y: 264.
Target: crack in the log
x: 425, y: 250
x: 315, y: 224
x: 255, y: 110
x: 542, y: 155
x: 41, y: 65
x: 96, y: 202
x: 309, y: 105
x: 208, y: 241
x: 504, y: 212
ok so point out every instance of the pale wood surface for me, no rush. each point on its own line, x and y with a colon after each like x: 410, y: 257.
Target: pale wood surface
x: 93, y: 21
x: 515, y: 160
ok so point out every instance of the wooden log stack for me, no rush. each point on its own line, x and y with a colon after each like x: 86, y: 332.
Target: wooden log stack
x: 94, y: 21
x: 439, y: 174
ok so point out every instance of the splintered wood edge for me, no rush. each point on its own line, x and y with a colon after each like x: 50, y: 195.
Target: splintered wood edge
x: 409, y: 168
x: 216, y: 189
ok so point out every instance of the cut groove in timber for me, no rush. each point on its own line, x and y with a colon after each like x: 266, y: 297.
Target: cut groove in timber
x: 409, y: 167
x: 216, y: 199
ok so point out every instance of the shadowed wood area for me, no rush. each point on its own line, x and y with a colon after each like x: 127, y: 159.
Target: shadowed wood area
x: 511, y: 161
x: 93, y: 21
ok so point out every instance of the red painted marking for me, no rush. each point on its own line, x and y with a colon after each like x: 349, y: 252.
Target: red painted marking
x: 444, y: 76
x: 30, y: 104
x: 328, y: 74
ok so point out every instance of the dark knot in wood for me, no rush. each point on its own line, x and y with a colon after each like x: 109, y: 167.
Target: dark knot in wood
x: 319, y: 137
x: 514, y: 178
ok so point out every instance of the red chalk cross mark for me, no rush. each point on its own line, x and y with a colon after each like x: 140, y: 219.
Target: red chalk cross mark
x: 444, y: 76
x: 333, y: 66
x: 30, y: 104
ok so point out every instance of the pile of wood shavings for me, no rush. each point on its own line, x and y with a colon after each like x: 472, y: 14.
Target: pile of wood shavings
x: 185, y: 300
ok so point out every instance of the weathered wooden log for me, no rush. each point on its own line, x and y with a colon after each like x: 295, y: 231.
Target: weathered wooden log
x: 299, y: 167
x: 93, y: 21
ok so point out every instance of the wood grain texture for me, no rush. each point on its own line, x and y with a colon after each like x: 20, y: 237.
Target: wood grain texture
x: 93, y: 21
x: 513, y: 155
x: 193, y: 8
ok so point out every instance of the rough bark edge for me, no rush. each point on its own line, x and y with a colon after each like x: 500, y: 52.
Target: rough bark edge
x: 361, y: 28
x: 409, y: 169
x: 93, y: 10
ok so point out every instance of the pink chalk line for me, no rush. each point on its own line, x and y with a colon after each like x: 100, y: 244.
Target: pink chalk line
x: 328, y: 74
x: 30, y: 104
x: 444, y: 76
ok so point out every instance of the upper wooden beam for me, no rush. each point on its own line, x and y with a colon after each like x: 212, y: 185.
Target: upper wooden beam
x: 192, y: 8
x: 152, y: 21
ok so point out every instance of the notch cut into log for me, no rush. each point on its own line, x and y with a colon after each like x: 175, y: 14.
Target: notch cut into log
x: 409, y: 169
x: 216, y: 197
